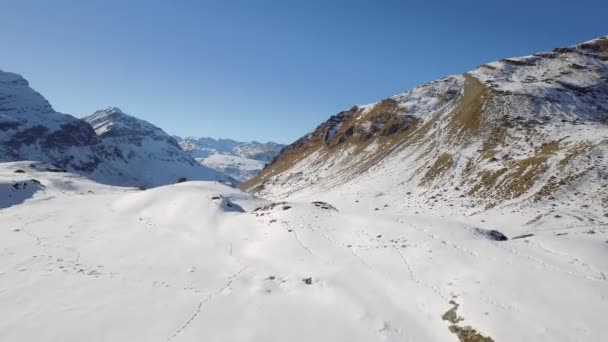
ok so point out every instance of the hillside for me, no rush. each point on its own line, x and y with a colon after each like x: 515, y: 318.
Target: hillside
x: 520, y: 133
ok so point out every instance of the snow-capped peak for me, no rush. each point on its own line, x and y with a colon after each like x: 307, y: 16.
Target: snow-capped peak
x: 147, y: 150
x: 114, y: 109
x: 108, y: 146
x: 114, y: 122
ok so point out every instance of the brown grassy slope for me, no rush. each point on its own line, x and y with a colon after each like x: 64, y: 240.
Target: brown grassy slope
x: 388, y: 125
x: 432, y: 146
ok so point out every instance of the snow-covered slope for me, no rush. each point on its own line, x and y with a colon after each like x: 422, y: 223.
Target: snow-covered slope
x: 240, y: 160
x: 81, y: 261
x: 528, y: 132
x: 145, y: 153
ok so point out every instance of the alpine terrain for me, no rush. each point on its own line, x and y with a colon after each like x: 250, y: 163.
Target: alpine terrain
x: 240, y: 160
x: 473, y: 208
x: 517, y: 133
x: 117, y: 149
x: 152, y: 157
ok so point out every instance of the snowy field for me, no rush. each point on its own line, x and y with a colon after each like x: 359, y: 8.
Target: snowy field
x: 196, y: 261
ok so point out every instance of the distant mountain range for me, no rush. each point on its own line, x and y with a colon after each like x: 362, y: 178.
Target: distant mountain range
x: 240, y: 160
x: 108, y: 146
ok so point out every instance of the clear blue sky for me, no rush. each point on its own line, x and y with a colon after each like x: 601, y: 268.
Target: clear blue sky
x: 266, y: 70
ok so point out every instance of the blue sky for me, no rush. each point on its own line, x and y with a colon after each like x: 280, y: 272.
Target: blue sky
x: 266, y: 70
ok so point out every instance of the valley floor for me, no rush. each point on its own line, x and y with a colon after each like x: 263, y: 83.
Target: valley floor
x: 195, y: 261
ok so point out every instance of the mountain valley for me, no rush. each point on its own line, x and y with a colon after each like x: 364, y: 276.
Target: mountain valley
x: 472, y: 208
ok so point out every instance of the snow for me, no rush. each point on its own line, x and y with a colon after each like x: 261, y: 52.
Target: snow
x: 21, y: 104
x: 17, y: 192
x: 548, y: 281
x: 147, y: 156
x: 328, y: 255
x: 551, y: 78
x: 240, y: 168
x: 331, y: 132
x: 85, y: 261
x: 122, y: 150
x: 364, y: 109
x: 425, y: 100
x: 239, y: 160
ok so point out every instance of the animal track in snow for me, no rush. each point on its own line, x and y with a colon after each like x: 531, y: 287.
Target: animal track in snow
x: 205, y: 300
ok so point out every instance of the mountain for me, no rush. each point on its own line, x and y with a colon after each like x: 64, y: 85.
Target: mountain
x: 472, y: 208
x: 147, y: 154
x: 240, y: 160
x: 518, y: 132
x: 118, y: 150
x: 264, y: 152
x: 31, y: 130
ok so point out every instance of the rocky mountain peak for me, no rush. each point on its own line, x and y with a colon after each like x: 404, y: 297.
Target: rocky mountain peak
x: 9, y: 78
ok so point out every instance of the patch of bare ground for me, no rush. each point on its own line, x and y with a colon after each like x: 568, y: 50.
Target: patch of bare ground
x: 464, y: 333
x: 465, y: 119
x: 536, y: 219
x: 441, y: 165
x: 517, y: 177
x: 564, y: 177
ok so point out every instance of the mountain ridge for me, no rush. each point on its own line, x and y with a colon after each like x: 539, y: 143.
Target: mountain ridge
x: 151, y: 155
x: 240, y: 160
x: 518, y: 130
x: 114, y: 152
